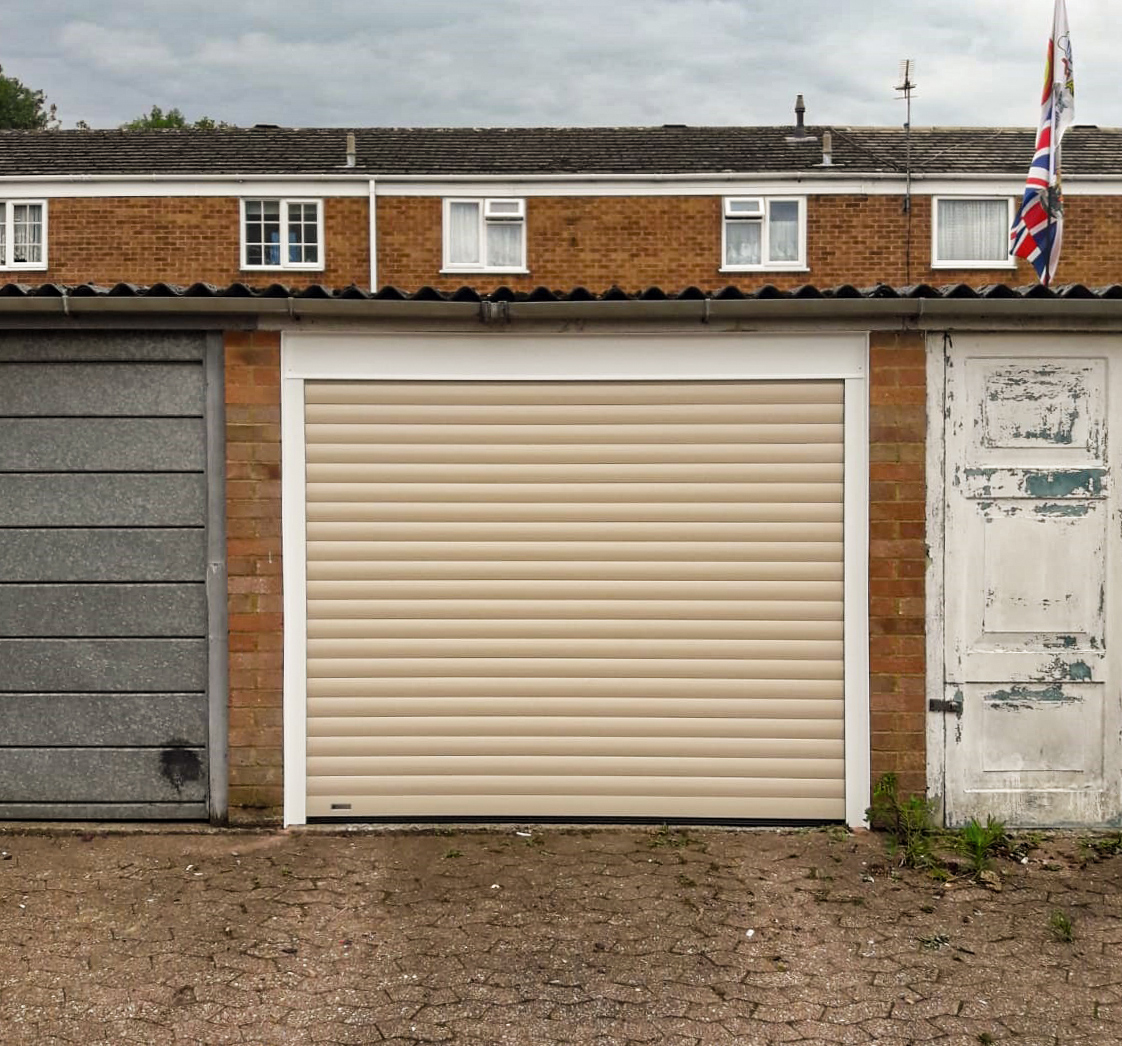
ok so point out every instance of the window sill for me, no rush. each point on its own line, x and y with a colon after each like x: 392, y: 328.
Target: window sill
x: 1010, y: 264
x: 764, y: 268
x: 281, y: 268
x: 484, y: 272
x: 37, y: 267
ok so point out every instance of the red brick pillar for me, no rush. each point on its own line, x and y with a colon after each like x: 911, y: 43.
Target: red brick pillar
x: 253, y: 549
x: 897, y: 556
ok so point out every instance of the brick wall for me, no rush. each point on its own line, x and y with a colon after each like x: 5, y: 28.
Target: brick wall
x: 253, y: 549
x: 182, y: 240
x: 674, y: 242
x: 897, y: 556
x: 634, y: 242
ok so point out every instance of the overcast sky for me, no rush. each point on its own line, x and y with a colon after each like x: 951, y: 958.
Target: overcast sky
x: 327, y: 63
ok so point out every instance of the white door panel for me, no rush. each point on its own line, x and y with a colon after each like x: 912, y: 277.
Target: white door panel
x: 1031, y: 536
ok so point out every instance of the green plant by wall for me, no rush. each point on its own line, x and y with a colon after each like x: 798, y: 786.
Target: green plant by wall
x: 908, y: 824
x: 980, y: 842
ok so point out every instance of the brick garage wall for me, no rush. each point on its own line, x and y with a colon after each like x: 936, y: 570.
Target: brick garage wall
x: 182, y: 240
x: 674, y: 242
x: 896, y: 566
x: 253, y: 549
x: 897, y: 556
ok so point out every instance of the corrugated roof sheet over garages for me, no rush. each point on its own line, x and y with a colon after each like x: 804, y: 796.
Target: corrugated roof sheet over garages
x: 808, y: 292
x: 451, y: 151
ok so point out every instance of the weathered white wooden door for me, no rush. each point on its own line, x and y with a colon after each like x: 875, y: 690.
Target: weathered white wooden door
x: 1031, y: 707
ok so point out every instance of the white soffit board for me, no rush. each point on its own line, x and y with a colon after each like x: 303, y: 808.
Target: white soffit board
x: 88, y: 186
x: 567, y: 357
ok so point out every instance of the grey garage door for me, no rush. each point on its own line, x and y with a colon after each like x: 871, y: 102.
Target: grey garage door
x: 103, y: 553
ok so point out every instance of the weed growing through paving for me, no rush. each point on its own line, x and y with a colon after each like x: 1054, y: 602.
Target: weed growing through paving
x: 1098, y: 848
x: 666, y: 836
x: 980, y: 842
x: 908, y: 824
x: 1061, y: 926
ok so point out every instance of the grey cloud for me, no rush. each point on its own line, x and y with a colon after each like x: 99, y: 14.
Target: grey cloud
x: 518, y: 62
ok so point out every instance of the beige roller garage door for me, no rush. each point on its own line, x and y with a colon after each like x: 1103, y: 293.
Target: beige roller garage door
x: 575, y: 599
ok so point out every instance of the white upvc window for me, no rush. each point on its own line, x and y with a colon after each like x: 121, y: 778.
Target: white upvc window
x: 759, y: 233
x: 23, y: 234
x: 971, y: 232
x: 485, y: 235
x: 282, y: 234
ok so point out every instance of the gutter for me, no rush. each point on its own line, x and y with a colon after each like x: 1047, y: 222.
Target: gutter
x: 868, y: 313
x: 817, y: 172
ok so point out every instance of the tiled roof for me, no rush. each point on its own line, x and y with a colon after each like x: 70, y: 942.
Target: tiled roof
x: 544, y: 150
x: 466, y: 295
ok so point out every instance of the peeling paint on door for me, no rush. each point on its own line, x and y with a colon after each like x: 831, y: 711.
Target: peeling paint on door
x: 1017, y: 698
x: 1064, y: 484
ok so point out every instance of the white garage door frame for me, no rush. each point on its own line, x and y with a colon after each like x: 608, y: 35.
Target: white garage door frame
x: 632, y: 355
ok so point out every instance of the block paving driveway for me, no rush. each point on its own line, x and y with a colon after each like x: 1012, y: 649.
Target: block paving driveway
x: 503, y: 935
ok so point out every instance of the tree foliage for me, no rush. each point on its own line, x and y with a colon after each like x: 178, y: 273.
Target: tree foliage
x: 22, y: 108
x: 173, y: 119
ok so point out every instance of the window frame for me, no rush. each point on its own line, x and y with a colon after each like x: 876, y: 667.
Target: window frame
x: 798, y: 264
x: 283, y: 202
x: 483, y: 205
x: 938, y: 263
x: 7, y: 263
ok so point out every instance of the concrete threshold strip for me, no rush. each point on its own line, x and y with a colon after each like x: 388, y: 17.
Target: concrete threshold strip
x: 16, y: 829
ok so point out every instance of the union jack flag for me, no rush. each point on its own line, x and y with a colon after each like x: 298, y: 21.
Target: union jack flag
x: 1038, y: 228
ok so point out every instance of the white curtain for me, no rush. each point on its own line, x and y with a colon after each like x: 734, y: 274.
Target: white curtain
x: 27, y: 233
x: 742, y: 243
x: 504, y: 245
x: 783, y: 231
x: 973, y: 230
x: 463, y: 233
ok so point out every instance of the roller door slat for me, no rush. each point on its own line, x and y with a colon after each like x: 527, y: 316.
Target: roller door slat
x: 320, y: 610
x: 579, y: 784
x: 602, y: 570
x: 346, y: 501
x: 580, y: 628
x: 601, y: 435
x: 638, y: 667
x: 584, y: 648
x: 632, y: 532
x: 377, y: 514
x: 436, y: 732
x: 577, y: 807
x: 657, y: 553
x: 571, y: 766
x: 383, y: 752
x: 592, y: 414
x: 366, y: 453
x: 580, y: 393
x: 331, y: 475
x: 577, y: 590
x: 577, y: 695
